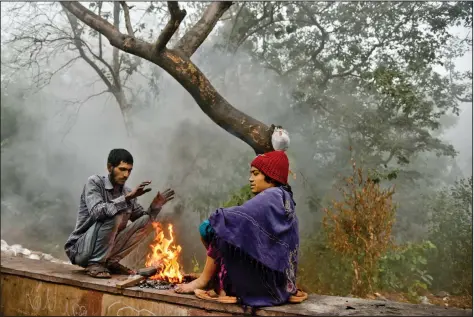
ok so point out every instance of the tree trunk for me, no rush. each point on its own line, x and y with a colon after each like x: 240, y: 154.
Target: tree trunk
x: 125, y: 109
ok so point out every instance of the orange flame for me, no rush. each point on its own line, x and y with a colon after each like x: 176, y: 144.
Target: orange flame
x: 164, y: 256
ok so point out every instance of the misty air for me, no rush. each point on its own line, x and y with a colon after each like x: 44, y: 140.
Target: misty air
x: 315, y: 157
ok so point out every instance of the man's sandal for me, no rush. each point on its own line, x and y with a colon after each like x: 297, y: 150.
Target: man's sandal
x: 117, y: 268
x: 299, y: 297
x: 214, y: 297
x: 98, y: 271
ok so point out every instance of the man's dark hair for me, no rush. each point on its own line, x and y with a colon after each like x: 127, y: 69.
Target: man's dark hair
x: 116, y: 156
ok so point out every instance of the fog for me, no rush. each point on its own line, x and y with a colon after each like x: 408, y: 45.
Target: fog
x: 72, y: 141
x: 60, y: 144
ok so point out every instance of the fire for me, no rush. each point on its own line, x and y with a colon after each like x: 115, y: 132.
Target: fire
x: 164, y: 256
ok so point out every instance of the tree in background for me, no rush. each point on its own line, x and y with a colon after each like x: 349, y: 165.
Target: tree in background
x: 355, y: 74
x: 41, y: 32
x: 367, y: 76
x: 451, y: 233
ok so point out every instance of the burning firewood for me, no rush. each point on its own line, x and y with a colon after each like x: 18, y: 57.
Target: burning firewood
x: 164, y: 256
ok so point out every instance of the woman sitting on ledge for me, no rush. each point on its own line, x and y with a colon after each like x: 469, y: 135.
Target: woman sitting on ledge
x: 252, y: 250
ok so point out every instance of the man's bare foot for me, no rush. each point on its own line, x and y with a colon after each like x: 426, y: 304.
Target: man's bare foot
x: 190, y: 287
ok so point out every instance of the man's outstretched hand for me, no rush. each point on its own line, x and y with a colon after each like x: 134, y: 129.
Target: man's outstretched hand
x: 161, y: 199
x: 138, y: 191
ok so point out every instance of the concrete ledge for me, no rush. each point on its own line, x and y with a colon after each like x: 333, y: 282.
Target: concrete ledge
x: 32, y: 287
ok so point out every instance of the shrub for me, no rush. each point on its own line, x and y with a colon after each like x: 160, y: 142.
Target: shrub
x: 359, y: 226
x: 404, y: 269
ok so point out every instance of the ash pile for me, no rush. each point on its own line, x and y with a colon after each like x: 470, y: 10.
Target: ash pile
x: 165, y: 285
x: 156, y: 284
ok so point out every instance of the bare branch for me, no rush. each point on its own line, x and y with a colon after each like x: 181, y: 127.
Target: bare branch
x: 78, y: 43
x: 126, y: 13
x: 100, y: 35
x: 115, y: 51
x: 80, y: 103
x: 176, y: 16
x: 114, y: 76
x: 193, y: 38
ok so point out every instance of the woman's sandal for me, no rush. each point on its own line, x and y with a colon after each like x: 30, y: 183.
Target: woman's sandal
x: 98, y: 271
x: 299, y: 297
x: 117, y: 268
x: 212, y: 296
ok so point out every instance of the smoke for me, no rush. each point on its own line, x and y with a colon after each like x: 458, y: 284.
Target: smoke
x: 173, y: 142
x: 59, y: 144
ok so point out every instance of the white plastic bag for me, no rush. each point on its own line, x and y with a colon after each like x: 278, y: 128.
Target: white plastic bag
x: 280, y: 139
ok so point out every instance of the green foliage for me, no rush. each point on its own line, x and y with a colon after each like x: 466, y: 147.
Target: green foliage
x: 442, y: 263
x: 239, y: 197
x: 451, y: 232
x: 405, y: 269
x: 365, y: 75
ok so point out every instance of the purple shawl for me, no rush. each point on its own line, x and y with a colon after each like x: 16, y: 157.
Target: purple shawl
x: 258, y: 243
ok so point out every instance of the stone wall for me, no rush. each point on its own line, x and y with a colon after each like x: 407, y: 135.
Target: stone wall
x: 42, y: 288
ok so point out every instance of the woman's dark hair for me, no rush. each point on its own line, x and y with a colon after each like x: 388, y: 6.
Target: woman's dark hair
x: 116, y: 156
x: 286, y: 187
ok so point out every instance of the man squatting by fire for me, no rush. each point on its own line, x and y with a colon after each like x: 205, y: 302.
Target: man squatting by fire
x: 102, y: 237
x: 252, y: 249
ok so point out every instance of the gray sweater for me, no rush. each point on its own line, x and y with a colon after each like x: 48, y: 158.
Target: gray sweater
x: 98, y: 202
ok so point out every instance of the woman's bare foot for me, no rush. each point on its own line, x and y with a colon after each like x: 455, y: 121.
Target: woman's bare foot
x: 189, y: 288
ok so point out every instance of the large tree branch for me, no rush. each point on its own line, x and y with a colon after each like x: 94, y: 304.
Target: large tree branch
x: 176, y: 16
x: 193, y: 38
x: 174, y: 62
